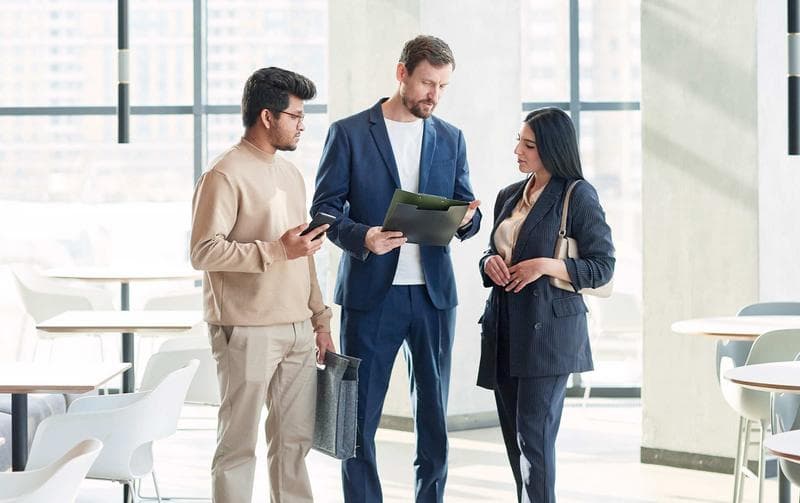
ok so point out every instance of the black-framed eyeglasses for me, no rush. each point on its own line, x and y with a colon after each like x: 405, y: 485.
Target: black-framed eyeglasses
x: 298, y: 117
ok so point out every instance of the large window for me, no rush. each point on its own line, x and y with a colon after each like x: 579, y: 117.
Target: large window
x: 80, y: 198
x: 77, y: 196
x: 58, y: 130
x: 600, y: 88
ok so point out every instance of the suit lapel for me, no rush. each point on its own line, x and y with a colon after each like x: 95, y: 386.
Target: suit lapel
x: 550, y: 196
x: 426, y: 156
x: 377, y: 129
x: 508, y: 207
x: 511, y: 202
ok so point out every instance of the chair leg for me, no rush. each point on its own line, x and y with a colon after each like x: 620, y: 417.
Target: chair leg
x: 158, y: 492
x: 737, y: 464
x: 761, y: 461
x: 102, y: 348
x: 743, y: 468
x: 168, y: 498
x: 587, y: 391
x: 131, y: 492
x: 155, y: 485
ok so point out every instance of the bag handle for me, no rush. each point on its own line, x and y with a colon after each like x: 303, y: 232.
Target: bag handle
x: 562, y: 231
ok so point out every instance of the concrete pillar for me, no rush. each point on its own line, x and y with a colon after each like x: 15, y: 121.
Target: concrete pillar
x: 700, y: 201
x: 483, y: 99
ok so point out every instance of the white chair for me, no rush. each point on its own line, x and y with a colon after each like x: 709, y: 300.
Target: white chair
x: 183, y: 300
x: 753, y: 406
x: 128, y: 424
x: 786, y: 418
x: 57, y: 481
x: 44, y: 298
x: 786, y: 447
x: 731, y: 354
x: 204, y: 389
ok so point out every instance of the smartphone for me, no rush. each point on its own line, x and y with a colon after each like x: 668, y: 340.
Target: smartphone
x: 319, y: 219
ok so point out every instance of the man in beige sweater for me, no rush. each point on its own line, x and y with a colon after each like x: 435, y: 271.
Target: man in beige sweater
x: 262, y: 302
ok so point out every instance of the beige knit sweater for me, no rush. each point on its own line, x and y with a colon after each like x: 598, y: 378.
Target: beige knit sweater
x: 241, y: 208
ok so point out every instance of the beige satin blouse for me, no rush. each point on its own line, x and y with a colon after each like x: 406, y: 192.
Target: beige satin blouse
x: 506, y: 234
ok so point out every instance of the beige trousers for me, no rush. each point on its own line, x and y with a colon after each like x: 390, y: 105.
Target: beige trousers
x: 258, y: 365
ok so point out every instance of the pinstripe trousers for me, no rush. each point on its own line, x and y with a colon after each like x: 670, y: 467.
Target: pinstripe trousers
x: 529, y: 409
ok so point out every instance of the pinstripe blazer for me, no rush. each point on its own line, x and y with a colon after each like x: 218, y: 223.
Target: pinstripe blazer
x: 547, y: 326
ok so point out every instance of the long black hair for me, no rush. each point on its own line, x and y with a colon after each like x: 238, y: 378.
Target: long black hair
x: 556, y: 142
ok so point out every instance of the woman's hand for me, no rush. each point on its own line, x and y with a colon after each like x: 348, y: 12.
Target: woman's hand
x: 496, y: 269
x: 524, y: 273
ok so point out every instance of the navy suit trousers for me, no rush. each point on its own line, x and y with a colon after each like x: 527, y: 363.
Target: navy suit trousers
x: 529, y: 409
x: 406, y: 318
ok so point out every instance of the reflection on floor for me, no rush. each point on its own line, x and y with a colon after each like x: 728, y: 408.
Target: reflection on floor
x: 598, y: 461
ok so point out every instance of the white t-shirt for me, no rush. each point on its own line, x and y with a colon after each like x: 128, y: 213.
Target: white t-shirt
x: 406, y: 141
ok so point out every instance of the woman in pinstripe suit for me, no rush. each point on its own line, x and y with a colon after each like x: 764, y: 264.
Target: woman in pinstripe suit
x: 533, y: 334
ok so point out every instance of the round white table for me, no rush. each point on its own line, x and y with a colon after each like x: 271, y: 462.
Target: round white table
x: 745, y: 328
x: 774, y: 377
x: 125, y: 276
x: 126, y: 322
x: 785, y: 445
x: 20, y: 379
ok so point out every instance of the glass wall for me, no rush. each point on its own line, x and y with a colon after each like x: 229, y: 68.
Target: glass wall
x: 600, y: 87
x: 79, y: 198
x: 74, y: 189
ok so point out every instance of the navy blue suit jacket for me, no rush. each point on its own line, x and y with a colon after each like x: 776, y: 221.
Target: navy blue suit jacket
x: 356, y: 180
x: 547, y: 326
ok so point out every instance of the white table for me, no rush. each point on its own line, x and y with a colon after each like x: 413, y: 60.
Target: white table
x: 785, y: 445
x: 125, y: 276
x: 19, y: 379
x: 775, y: 377
x: 745, y: 328
x: 126, y: 322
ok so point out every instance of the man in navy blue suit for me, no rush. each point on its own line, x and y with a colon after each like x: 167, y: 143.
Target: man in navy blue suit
x: 395, y: 293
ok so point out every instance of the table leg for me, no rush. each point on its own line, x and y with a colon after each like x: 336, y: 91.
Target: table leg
x: 128, y: 378
x: 19, y: 431
x: 125, y: 296
x: 784, y: 487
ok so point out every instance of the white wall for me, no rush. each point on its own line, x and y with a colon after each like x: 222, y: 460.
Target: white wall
x: 700, y: 208
x: 483, y: 99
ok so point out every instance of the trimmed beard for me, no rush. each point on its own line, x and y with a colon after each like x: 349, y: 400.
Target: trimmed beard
x: 416, y: 110
x: 288, y: 147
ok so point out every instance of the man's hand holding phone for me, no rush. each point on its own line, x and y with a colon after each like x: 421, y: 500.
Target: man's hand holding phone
x: 319, y: 219
x: 298, y: 245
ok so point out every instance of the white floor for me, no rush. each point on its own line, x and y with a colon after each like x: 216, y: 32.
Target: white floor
x: 598, y: 461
